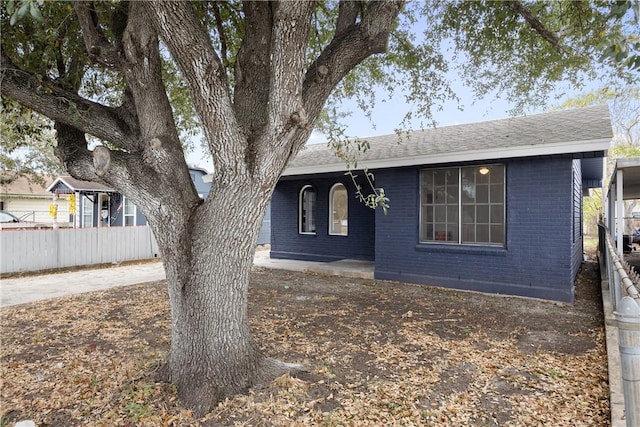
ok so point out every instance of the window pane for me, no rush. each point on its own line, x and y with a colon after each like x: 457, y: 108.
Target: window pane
x: 452, y: 214
x: 339, y: 210
x: 482, y: 214
x: 87, y: 212
x: 483, y: 174
x: 441, y: 232
x: 468, y: 214
x: 497, y: 193
x: 129, y: 208
x: 497, y: 234
x: 308, y: 210
x: 440, y: 213
x: 428, y: 214
x: 469, y: 233
x: 427, y: 232
x: 497, y: 214
x: 483, y: 209
x: 440, y: 196
x: 497, y: 174
x: 468, y: 193
x: 482, y: 233
x: 453, y: 233
x: 482, y: 194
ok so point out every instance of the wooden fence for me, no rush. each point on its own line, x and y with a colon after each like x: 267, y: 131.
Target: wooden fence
x: 34, y: 250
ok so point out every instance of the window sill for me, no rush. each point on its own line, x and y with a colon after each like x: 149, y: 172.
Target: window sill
x: 456, y: 248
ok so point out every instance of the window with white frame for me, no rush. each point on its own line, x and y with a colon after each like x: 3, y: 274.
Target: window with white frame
x: 338, y: 211
x: 307, y: 210
x: 463, y: 205
x: 87, y: 212
x: 129, y: 212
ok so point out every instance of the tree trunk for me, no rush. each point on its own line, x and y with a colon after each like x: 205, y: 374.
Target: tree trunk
x: 208, y: 265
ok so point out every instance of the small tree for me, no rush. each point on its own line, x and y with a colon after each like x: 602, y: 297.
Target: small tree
x: 258, y: 75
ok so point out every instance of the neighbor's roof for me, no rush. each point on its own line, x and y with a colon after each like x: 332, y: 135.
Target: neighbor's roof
x: 25, y: 187
x: 64, y: 183
x: 583, y: 130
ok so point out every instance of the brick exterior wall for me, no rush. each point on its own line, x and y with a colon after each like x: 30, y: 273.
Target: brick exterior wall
x: 286, y: 242
x: 538, y: 259
x: 543, y: 237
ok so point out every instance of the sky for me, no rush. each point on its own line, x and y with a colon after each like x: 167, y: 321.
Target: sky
x: 388, y: 115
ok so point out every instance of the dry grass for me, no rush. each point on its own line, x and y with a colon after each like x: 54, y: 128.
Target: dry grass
x: 380, y: 354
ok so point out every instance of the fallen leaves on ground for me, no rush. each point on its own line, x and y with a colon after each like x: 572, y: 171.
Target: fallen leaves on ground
x: 379, y: 353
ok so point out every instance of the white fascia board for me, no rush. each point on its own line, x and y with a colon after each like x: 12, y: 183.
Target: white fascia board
x: 461, y: 156
x: 56, y: 181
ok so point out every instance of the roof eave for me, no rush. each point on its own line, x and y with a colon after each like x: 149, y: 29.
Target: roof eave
x: 570, y: 147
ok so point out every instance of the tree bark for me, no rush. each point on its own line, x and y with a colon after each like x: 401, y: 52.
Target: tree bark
x: 208, y: 264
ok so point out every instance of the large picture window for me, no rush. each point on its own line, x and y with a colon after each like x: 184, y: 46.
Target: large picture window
x: 338, y: 210
x: 307, y: 210
x: 463, y: 205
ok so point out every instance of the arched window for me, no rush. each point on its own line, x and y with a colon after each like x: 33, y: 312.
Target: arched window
x: 338, y: 210
x: 307, y: 210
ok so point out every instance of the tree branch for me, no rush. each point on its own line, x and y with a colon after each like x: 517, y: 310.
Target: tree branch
x: 63, y: 106
x: 347, y: 13
x: 221, y: 35
x: 251, y: 91
x: 346, y: 51
x: 534, y: 23
x: 95, y: 41
x: 180, y: 29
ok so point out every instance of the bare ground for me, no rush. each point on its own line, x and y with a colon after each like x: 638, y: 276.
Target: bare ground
x: 380, y: 353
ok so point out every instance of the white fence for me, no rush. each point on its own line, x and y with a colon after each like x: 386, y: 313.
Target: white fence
x: 33, y: 250
x: 622, y: 285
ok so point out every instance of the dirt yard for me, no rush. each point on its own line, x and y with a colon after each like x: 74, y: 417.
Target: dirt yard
x: 379, y: 353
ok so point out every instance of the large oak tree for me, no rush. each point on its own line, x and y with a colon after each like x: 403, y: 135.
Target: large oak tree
x: 258, y: 77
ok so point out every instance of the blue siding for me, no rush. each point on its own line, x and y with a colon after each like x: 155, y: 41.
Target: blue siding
x: 286, y: 242
x: 202, y: 188
x: 537, y: 258
x: 264, y: 236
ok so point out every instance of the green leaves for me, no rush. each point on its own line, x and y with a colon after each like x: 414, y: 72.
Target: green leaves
x: 24, y: 8
x: 619, y: 47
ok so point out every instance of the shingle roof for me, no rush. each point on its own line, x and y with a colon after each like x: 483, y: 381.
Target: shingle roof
x: 77, y: 185
x: 26, y: 187
x: 559, y: 132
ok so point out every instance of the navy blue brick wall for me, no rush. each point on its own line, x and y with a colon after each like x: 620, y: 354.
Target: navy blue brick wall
x: 537, y: 259
x: 286, y: 242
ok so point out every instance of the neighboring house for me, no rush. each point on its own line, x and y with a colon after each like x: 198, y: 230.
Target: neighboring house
x: 31, y: 201
x: 197, y: 176
x: 494, y: 206
x: 97, y: 205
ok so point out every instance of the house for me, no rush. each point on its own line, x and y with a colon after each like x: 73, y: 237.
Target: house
x: 494, y: 206
x: 96, y: 205
x: 30, y: 201
x: 197, y: 176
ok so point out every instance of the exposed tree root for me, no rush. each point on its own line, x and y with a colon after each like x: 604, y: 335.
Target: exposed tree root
x: 202, y: 396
